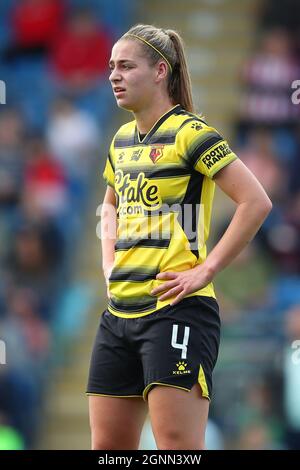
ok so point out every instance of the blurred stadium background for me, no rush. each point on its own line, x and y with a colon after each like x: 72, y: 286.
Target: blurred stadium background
x: 55, y: 129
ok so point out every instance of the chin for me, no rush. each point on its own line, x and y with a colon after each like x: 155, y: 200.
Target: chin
x: 125, y: 105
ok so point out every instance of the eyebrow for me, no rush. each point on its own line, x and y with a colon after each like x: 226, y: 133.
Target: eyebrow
x: 120, y: 61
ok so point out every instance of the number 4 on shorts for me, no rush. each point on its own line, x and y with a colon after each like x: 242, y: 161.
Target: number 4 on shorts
x: 183, y: 345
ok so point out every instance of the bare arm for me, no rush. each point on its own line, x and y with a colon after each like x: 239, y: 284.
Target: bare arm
x: 108, y: 231
x: 253, y: 206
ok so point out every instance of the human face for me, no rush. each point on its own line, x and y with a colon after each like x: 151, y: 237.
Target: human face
x: 132, y: 78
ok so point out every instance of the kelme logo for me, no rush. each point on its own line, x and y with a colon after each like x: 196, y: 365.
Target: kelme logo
x: 181, y: 368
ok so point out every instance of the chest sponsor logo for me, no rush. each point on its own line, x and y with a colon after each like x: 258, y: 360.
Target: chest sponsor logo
x: 135, y: 196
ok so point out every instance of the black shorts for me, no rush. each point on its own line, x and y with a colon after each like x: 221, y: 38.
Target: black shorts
x: 176, y: 346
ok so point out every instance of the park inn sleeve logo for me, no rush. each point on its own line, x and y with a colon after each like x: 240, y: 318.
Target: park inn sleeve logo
x: 216, y: 154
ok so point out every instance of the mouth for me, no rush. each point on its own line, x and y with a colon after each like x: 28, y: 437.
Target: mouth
x: 118, y: 90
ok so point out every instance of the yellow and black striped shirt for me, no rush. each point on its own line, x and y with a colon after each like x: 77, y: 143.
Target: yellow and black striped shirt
x: 164, y: 190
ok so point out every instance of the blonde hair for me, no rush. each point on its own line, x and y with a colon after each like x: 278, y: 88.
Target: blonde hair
x: 160, y: 43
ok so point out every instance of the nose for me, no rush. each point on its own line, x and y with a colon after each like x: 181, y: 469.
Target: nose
x: 114, y: 76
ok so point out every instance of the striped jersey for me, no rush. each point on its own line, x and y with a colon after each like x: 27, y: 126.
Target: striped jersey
x: 164, y: 190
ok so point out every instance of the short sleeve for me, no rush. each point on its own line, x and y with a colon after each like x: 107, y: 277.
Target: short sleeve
x: 109, y: 173
x: 204, y: 148
x: 109, y: 170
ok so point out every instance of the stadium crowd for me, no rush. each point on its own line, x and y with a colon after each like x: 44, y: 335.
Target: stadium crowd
x: 53, y: 61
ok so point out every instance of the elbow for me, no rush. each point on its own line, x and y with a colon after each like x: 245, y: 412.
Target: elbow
x: 265, y: 207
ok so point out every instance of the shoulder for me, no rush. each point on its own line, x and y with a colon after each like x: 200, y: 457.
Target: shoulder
x: 195, y: 132
x: 125, y: 129
x: 183, y: 119
x: 203, y: 147
x: 122, y: 136
x: 194, y: 126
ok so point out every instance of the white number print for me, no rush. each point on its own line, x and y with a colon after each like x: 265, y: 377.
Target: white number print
x: 183, y: 345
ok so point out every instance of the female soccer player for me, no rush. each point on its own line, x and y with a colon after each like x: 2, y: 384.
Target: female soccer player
x: 158, y: 339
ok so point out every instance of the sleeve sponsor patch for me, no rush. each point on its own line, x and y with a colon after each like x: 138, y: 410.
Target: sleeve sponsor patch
x: 215, y: 158
x: 216, y: 154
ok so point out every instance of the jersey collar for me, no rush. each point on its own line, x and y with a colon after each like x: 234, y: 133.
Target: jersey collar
x: 154, y: 128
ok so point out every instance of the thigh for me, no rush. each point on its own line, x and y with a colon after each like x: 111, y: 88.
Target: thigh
x: 178, y: 417
x: 116, y: 423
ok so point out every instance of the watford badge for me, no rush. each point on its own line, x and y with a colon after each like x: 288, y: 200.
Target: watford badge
x: 156, y: 153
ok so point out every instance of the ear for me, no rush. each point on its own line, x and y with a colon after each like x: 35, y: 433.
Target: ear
x: 161, y: 70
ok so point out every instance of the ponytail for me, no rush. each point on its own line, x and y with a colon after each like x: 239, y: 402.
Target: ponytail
x: 180, y: 88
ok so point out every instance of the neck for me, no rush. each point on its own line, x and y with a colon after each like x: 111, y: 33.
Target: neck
x: 146, y: 118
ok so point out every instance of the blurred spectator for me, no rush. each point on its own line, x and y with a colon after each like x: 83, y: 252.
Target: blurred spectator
x: 45, y: 183
x: 73, y: 137
x: 34, y: 264
x: 294, y: 183
x: 11, y: 161
x: 244, y: 284
x: 35, y: 24
x: 80, y: 54
x: 259, y: 154
x: 283, y: 238
x: 253, y: 419
x: 255, y: 436
x: 11, y: 173
x: 268, y: 77
x: 24, y: 318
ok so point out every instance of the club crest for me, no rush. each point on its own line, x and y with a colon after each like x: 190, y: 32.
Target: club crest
x: 156, y: 153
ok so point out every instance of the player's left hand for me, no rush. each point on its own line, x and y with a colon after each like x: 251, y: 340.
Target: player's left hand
x: 182, y: 283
